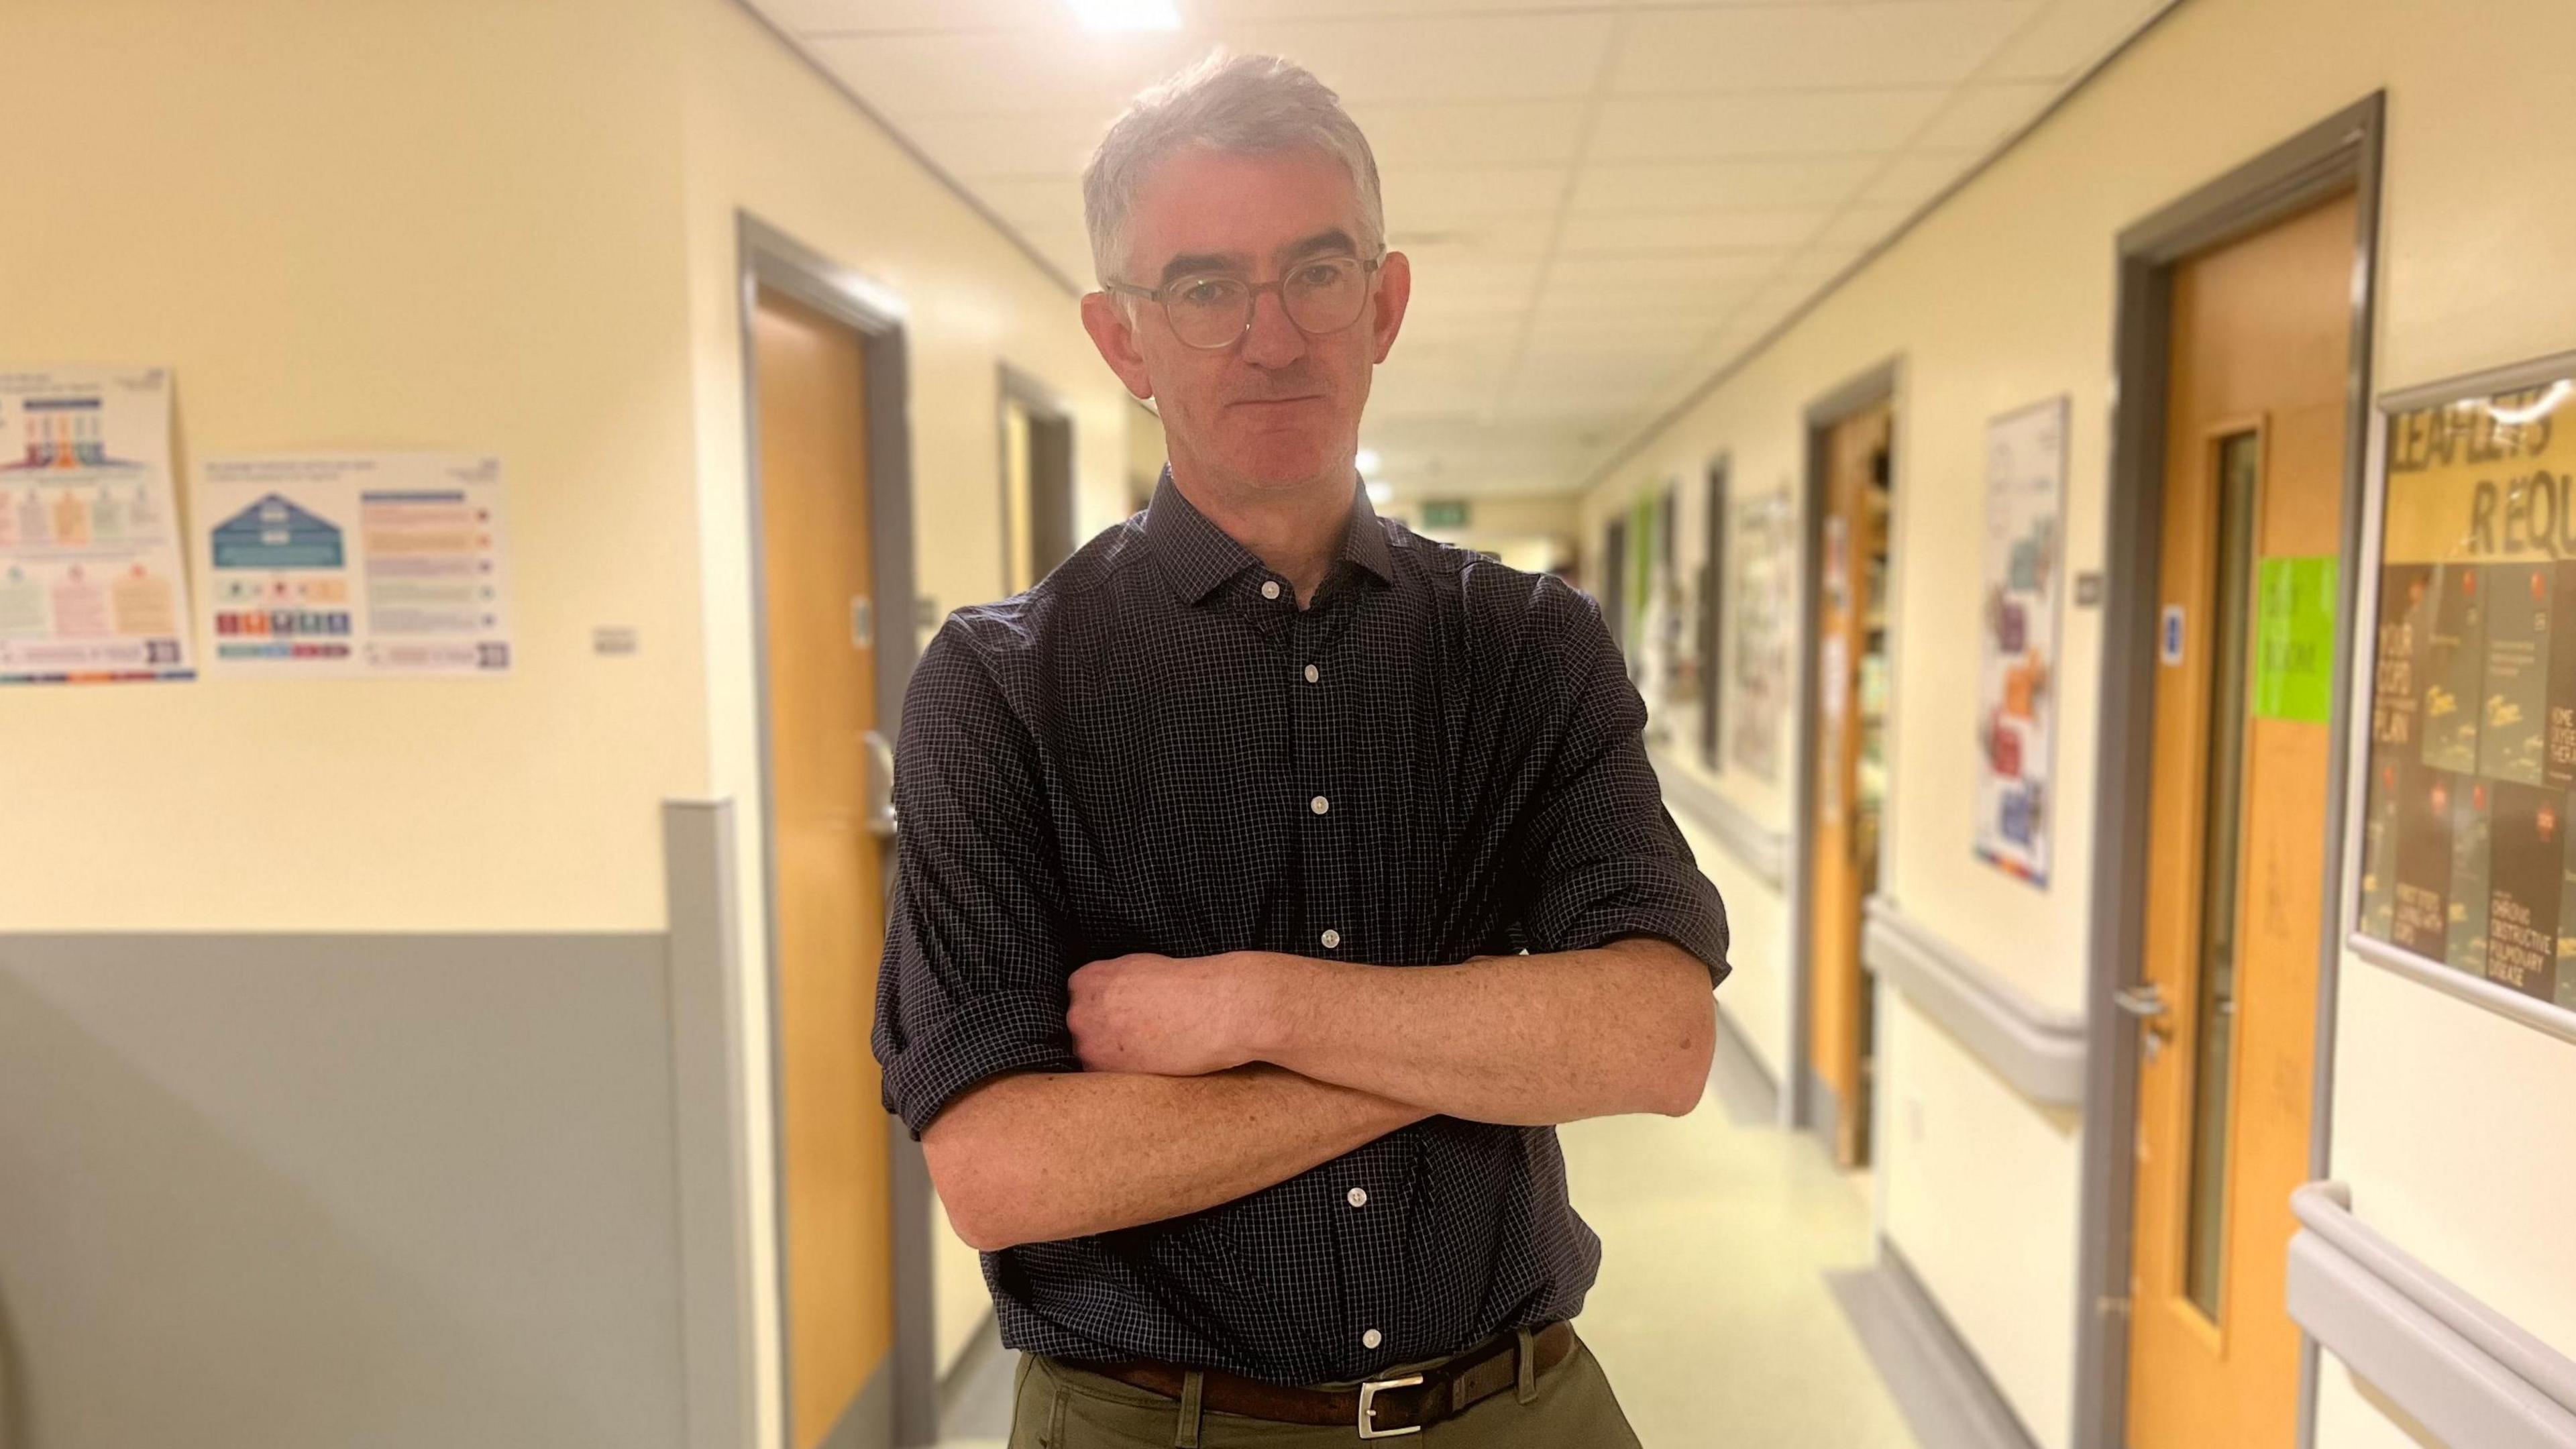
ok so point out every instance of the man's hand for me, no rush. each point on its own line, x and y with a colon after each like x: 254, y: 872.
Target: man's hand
x: 1165, y: 1016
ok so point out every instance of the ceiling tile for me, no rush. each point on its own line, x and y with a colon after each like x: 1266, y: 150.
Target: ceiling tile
x: 913, y: 77
x: 1707, y: 230
x: 1866, y: 222
x: 2071, y: 36
x: 1014, y: 143
x: 1437, y: 196
x: 1721, y: 185
x: 1822, y: 123
x: 807, y: 17
x: 1489, y: 58
x: 1798, y: 47
x: 1470, y: 133
x: 1980, y: 116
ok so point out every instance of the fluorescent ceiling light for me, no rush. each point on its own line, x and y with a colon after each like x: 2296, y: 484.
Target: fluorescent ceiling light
x: 1367, y: 461
x: 1127, y: 14
x: 1380, y: 495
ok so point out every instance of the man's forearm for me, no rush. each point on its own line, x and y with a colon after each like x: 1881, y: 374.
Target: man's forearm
x: 1531, y: 1040
x: 1042, y: 1156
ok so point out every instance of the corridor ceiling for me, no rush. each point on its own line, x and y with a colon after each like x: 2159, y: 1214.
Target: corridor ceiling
x: 1606, y: 201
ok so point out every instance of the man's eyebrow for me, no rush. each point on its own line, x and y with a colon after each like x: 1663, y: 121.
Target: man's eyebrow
x: 1189, y: 262
x: 1320, y: 244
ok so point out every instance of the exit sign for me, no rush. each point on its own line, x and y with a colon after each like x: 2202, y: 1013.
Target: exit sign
x: 1444, y: 513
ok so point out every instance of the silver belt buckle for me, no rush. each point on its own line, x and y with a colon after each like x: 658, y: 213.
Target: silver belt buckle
x: 1368, y: 1408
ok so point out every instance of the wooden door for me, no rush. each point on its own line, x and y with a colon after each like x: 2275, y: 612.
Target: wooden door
x: 2236, y: 892
x: 1842, y: 848
x: 839, y: 1260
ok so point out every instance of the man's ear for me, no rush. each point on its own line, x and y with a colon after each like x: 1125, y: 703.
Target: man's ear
x: 1394, y: 290
x: 1110, y: 332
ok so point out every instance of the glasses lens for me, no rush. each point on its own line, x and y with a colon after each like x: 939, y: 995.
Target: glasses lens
x: 1207, y: 311
x: 1326, y: 294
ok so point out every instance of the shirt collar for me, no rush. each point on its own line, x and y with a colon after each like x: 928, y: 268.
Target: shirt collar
x: 1197, y: 556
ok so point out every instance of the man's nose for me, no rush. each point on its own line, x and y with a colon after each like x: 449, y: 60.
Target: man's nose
x: 1274, y: 341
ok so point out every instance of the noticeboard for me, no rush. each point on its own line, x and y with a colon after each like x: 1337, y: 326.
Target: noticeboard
x: 2469, y: 825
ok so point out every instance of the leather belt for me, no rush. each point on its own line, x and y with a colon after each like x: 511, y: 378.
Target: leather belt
x: 1380, y: 1408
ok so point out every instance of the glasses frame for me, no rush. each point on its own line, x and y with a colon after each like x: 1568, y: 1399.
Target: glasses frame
x: 1252, y: 298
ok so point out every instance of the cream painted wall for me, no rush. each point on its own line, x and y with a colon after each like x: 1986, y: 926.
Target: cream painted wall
x: 2004, y: 296
x: 764, y: 133
x: 360, y: 227
x: 1755, y: 997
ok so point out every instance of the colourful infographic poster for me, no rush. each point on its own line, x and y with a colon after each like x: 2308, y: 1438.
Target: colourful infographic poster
x: 1764, y: 563
x: 90, y: 584
x: 2016, y: 684
x: 365, y: 564
x: 2466, y: 855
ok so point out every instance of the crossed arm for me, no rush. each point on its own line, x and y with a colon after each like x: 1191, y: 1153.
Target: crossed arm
x: 1212, y: 1077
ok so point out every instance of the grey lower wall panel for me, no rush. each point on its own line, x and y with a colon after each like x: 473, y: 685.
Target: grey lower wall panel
x: 309, y: 1191
x: 1760, y: 849
x: 2453, y: 1364
x: 2038, y: 1050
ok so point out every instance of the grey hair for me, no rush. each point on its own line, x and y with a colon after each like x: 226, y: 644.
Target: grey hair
x: 1257, y: 104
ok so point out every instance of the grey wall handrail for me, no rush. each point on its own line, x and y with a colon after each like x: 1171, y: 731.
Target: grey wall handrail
x: 1760, y: 849
x: 2464, y: 1370
x: 2531, y: 1011
x: 2038, y: 1049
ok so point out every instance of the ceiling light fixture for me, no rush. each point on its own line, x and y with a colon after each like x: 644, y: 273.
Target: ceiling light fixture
x: 1379, y: 494
x: 1127, y: 14
x: 1367, y: 461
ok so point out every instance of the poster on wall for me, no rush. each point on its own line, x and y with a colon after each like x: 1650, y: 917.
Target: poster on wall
x: 2466, y: 856
x: 365, y: 564
x: 91, y: 588
x: 1763, y: 572
x: 2017, y: 652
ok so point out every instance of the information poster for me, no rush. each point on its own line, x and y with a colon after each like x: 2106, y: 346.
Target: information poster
x: 1763, y: 568
x: 91, y: 589
x: 358, y: 564
x: 2017, y: 655
x: 2466, y: 851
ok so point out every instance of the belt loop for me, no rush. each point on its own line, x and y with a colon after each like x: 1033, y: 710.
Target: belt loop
x: 1528, y: 1354
x: 1193, y: 1387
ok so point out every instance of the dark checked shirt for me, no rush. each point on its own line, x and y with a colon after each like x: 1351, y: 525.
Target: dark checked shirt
x: 1156, y: 750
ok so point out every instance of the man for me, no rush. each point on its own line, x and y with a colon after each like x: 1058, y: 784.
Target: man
x: 1171, y: 817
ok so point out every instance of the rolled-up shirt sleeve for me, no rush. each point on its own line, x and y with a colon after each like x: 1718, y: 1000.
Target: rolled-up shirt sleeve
x: 972, y: 983
x: 1599, y: 856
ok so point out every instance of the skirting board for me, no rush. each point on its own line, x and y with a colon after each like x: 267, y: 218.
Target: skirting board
x: 2447, y: 1360
x: 1929, y: 1370
x: 1738, y: 1080
x: 2039, y: 1051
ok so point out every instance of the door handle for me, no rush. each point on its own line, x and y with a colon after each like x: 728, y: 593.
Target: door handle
x: 879, y: 766
x: 2146, y: 1002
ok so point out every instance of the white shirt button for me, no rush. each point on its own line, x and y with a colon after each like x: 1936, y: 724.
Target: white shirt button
x: 1372, y: 1339
x: 1332, y: 938
x: 1319, y: 804
x: 1358, y: 1197
x: 1313, y: 674
x: 1270, y: 588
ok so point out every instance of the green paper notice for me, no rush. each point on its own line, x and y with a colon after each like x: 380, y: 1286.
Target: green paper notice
x: 2294, y: 635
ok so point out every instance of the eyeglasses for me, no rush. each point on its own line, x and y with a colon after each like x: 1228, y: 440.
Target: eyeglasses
x: 1214, y: 309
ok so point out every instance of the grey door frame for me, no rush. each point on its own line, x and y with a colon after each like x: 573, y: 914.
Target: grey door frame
x: 768, y: 257
x: 2338, y: 155
x: 1056, y: 529
x: 1884, y: 382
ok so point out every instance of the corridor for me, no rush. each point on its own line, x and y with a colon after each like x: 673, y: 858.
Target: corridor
x: 706, y: 705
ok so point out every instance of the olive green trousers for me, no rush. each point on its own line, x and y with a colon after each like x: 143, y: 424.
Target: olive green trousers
x: 1058, y: 1406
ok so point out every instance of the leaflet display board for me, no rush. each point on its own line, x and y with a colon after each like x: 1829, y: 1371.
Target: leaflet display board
x: 1764, y: 577
x: 2468, y: 856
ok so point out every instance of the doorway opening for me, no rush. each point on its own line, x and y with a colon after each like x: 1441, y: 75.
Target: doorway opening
x: 1842, y: 785
x: 1038, y: 511
x: 2237, y: 472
